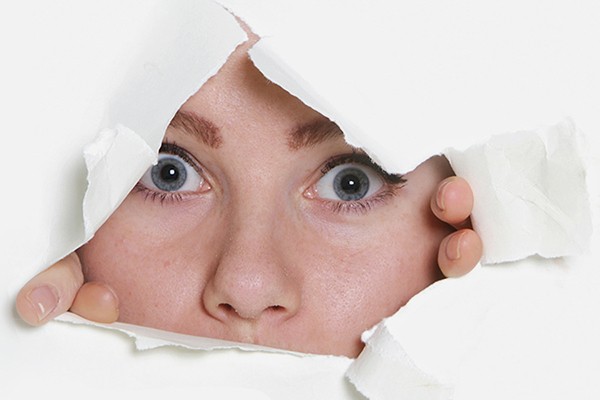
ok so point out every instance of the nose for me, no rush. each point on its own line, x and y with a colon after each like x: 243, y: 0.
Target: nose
x: 252, y: 280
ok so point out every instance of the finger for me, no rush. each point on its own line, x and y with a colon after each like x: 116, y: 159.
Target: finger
x: 459, y: 253
x: 453, y: 202
x: 51, y: 292
x: 96, y: 302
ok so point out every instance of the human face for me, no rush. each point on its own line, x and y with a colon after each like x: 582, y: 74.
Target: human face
x: 257, y: 246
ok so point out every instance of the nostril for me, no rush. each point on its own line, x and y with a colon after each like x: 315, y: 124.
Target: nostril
x: 276, y: 308
x: 228, y: 310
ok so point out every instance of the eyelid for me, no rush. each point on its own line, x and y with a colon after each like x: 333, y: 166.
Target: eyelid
x: 363, y: 159
x: 164, y: 197
x: 392, y: 183
x: 172, y: 148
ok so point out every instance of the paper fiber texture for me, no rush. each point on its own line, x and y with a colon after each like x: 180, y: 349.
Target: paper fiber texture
x: 98, y: 84
x: 149, y: 338
x: 528, y: 328
x: 405, y: 80
x: 408, y: 79
x: 114, y: 161
x: 77, y: 70
x: 530, y: 191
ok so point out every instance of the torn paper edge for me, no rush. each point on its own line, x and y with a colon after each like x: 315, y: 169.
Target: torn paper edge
x: 484, y: 188
x: 277, y: 71
x: 147, y: 338
x: 391, y: 374
x: 108, y: 185
x: 151, y: 341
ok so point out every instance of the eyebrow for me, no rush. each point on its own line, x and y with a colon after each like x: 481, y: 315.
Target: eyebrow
x: 198, y: 127
x: 313, y: 133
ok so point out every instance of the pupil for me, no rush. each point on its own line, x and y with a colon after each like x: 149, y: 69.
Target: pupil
x: 350, y: 184
x: 169, y: 173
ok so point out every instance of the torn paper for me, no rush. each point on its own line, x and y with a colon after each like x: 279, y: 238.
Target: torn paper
x: 455, y: 72
x: 112, y: 74
x: 528, y: 328
x: 115, y: 161
x: 150, y: 338
x: 530, y: 193
x: 406, y: 80
x: 266, y: 372
x: 78, y: 78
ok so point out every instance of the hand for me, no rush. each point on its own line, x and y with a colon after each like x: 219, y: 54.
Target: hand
x: 461, y: 250
x: 60, y: 288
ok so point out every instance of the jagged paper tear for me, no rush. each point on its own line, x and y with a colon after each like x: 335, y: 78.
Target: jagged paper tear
x: 407, y: 79
x: 530, y: 191
x: 404, y: 357
x: 115, y: 161
x: 420, y: 99
x: 524, y: 330
x: 510, y: 325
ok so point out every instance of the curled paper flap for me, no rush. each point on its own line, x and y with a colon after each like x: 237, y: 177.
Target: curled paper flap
x: 385, y: 371
x: 406, y: 80
x: 530, y: 193
x: 161, y: 75
x: 83, y: 68
x: 265, y: 56
x: 149, y: 338
x: 440, y: 100
x: 528, y: 330
x: 272, y: 373
x: 510, y: 328
x: 115, y: 161
x: 180, y: 48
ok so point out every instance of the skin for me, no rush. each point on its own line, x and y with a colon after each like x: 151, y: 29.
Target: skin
x: 257, y: 254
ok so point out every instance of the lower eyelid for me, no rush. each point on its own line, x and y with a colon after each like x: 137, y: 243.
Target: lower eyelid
x: 362, y: 206
x: 167, y: 197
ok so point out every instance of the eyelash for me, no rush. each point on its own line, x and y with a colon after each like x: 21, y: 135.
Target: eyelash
x: 172, y: 148
x: 162, y: 197
x: 393, y: 183
x: 363, y: 159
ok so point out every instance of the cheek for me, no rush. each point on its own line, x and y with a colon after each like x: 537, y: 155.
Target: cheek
x: 367, y: 271
x: 150, y: 256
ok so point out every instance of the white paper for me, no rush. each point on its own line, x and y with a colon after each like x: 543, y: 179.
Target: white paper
x: 113, y: 78
x: 114, y: 161
x: 408, y: 79
x: 150, y: 338
x: 531, y: 194
x: 525, y: 329
x: 458, y: 72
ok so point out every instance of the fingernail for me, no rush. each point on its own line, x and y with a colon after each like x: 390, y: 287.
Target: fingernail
x: 453, y: 247
x: 44, y: 299
x: 439, y: 198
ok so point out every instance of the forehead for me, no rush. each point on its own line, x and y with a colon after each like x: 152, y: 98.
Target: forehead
x: 239, y: 97
x: 239, y: 88
x: 300, y: 136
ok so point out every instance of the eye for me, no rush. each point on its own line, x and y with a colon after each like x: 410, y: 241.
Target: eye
x: 349, y: 182
x: 172, y: 174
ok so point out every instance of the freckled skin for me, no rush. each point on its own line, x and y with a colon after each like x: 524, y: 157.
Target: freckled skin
x: 253, y: 259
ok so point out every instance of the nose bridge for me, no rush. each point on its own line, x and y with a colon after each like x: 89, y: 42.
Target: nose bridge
x: 255, y: 209
x: 252, y: 243
x: 252, y: 277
